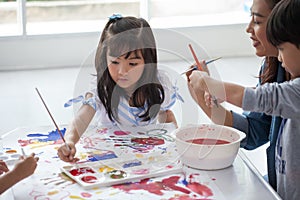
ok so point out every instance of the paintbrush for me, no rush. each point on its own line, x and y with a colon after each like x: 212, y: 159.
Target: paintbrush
x: 61, y: 135
x: 23, y: 153
x: 201, y: 69
x: 195, y: 67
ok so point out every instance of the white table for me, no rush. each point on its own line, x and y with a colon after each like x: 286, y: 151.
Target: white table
x: 239, y: 181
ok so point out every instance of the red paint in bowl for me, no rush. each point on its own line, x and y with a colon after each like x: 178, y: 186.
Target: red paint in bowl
x: 207, y: 141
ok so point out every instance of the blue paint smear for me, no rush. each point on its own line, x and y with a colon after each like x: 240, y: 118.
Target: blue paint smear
x: 184, y: 182
x: 52, y: 136
x: 132, y: 164
x: 105, y: 156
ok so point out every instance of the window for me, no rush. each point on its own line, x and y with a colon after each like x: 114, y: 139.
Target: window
x: 169, y: 13
x: 32, y: 17
x: 8, y: 18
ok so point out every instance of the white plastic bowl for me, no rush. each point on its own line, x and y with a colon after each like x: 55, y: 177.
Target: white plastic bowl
x: 208, y: 156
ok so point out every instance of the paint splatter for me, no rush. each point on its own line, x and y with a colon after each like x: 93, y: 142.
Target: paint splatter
x: 89, y: 179
x: 102, y: 130
x: 86, y: 194
x: 75, y: 197
x: 117, y: 174
x: 53, y: 192
x: 82, y: 170
x: 132, y: 163
x: 11, y: 151
x: 141, y: 171
x: 148, y: 141
x: 104, y: 169
x: 170, y: 183
x: 198, y: 188
x: 39, y: 139
x: 122, y: 132
x: 101, y: 155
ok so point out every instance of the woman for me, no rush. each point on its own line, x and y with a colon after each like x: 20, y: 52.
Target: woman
x: 259, y: 128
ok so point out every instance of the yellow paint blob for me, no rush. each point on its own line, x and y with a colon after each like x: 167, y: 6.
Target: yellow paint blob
x: 52, y: 192
x: 105, y: 168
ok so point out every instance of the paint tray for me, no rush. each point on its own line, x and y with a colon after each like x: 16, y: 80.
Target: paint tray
x: 107, y: 173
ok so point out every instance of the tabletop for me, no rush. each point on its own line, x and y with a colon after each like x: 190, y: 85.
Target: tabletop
x: 111, y: 144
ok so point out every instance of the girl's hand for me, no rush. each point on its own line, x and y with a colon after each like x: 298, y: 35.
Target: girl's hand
x: 3, y: 167
x: 66, y: 154
x: 25, y: 167
x: 210, y: 101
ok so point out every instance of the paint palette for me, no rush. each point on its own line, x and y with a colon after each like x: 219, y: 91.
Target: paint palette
x: 10, y: 156
x: 110, y: 155
x: 107, y: 173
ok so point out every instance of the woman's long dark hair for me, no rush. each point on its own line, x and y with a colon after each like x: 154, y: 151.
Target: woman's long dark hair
x: 124, y: 36
x: 271, y: 63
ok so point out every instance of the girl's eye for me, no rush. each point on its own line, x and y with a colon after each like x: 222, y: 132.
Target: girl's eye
x: 133, y: 64
x: 114, y: 62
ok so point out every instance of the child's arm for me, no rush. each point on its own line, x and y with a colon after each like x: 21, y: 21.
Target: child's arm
x: 24, y: 168
x: 3, y: 167
x: 232, y: 93
x: 75, y: 130
x: 167, y: 116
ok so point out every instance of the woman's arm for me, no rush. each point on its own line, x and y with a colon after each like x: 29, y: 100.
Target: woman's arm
x: 230, y: 92
x: 218, y: 115
x: 167, y: 116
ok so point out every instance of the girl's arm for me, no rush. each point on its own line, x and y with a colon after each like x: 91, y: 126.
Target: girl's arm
x: 75, y: 130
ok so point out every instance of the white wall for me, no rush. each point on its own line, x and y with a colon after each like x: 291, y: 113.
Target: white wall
x: 43, y: 51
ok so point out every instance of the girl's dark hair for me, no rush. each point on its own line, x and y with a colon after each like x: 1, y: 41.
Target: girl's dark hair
x: 283, y: 24
x: 124, y: 36
x: 271, y: 63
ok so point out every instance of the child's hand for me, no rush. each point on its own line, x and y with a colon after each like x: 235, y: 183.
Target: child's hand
x: 25, y: 167
x: 66, y: 154
x: 3, y: 167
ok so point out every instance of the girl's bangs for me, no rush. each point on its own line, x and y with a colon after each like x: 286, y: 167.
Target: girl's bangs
x: 118, y: 46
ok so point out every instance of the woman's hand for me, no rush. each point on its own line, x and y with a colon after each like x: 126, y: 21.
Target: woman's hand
x: 197, y: 80
x: 211, y: 101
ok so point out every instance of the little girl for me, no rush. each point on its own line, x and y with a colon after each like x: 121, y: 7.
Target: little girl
x: 129, y: 90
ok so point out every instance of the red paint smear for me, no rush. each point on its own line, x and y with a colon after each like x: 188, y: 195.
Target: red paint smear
x: 167, y: 184
x: 85, y: 194
x: 83, y: 170
x: 186, y: 197
x: 148, y: 141
x: 154, y: 187
x: 200, y: 189
x: 89, y: 179
x: 170, y: 182
x: 121, y: 132
x: 208, y: 141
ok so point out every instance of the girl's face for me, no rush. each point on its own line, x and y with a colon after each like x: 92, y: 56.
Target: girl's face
x: 289, y: 55
x: 126, y: 71
x: 257, y: 29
